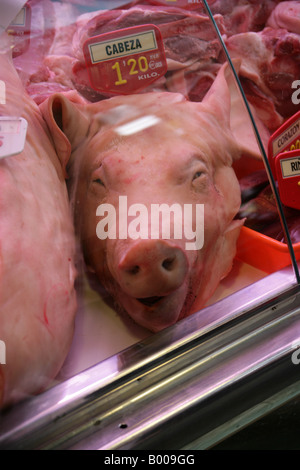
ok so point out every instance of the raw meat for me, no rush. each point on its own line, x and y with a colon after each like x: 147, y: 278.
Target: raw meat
x: 241, y: 16
x: 260, y: 210
x: 270, y: 64
x: 252, y: 184
x: 286, y: 15
x: 177, y: 26
x: 42, y: 26
x: 270, y: 57
x: 52, y: 27
x: 37, y: 253
x: 154, y: 279
x: 275, y: 230
x: 190, y: 43
x: 191, y: 46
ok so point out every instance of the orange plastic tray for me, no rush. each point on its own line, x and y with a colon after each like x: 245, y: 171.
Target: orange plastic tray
x: 254, y: 248
x: 264, y: 252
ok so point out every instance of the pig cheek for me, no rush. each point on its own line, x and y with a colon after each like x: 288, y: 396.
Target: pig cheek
x: 225, y: 178
x: 213, y: 228
x: 93, y: 249
x: 94, y: 254
x: 101, y: 255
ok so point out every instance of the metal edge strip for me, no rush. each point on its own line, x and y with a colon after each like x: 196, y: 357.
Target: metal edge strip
x: 69, y: 396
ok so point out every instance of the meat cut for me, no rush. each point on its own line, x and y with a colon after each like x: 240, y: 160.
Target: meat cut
x: 261, y: 34
x: 37, y: 252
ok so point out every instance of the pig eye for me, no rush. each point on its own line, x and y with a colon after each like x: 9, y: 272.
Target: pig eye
x: 197, y: 175
x: 98, y: 181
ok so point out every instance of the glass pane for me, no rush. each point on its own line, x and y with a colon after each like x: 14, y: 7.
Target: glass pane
x: 273, y: 207
x: 165, y: 154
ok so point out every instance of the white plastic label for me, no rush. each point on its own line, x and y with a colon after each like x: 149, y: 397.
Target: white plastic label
x: 9, y: 9
x: 290, y: 167
x: 20, y: 19
x: 12, y: 135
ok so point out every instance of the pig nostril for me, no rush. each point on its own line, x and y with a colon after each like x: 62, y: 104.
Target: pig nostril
x: 168, y: 263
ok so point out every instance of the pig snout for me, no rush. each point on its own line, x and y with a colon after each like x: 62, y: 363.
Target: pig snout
x: 150, y: 269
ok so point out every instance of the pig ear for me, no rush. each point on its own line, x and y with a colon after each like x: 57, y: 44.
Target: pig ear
x: 218, y: 99
x: 224, y: 100
x: 67, y: 124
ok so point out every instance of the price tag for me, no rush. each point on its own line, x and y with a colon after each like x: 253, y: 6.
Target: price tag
x: 125, y: 61
x: 19, y: 29
x: 12, y: 135
x: 287, y: 166
x: 286, y: 138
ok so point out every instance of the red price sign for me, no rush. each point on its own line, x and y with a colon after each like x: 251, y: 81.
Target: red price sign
x: 286, y: 138
x: 284, y: 159
x: 287, y: 165
x: 19, y: 29
x: 125, y: 61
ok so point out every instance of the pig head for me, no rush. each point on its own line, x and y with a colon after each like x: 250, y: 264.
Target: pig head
x: 129, y: 154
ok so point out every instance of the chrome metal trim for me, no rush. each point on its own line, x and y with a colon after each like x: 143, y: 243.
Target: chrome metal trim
x: 158, y: 387
x: 241, y: 421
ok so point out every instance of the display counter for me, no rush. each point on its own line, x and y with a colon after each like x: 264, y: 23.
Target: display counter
x: 109, y: 360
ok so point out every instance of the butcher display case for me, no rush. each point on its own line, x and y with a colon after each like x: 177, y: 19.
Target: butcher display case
x: 204, y: 381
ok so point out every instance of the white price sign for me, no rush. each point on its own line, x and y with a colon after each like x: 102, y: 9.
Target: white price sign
x: 12, y: 135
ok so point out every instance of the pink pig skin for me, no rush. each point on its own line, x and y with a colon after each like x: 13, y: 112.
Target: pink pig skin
x: 37, y: 252
x: 184, y: 159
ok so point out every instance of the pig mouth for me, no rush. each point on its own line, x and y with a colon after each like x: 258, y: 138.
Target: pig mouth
x: 150, y: 301
x: 156, y: 312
